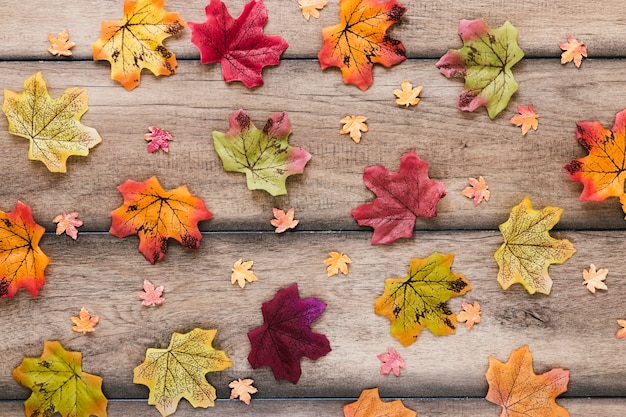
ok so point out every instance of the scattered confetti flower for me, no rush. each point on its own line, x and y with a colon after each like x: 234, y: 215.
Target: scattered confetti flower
x: 354, y: 125
x: 391, y: 362
x: 526, y: 118
x: 621, y: 333
x: 574, y: 50
x: 593, y: 279
x: 478, y: 190
x: 61, y: 44
x: 85, y: 322
x: 242, y: 273
x: 242, y: 388
x: 157, y: 139
x: 68, y: 223
x: 283, y: 221
x: 150, y: 295
x: 470, y: 314
x: 311, y: 8
x: 408, y: 96
x: 337, y: 262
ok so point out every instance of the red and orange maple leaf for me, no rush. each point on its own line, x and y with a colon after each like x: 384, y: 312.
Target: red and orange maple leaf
x: 527, y: 119
x: 283, y: 221
x: 573, y: 50
x: 85, y: 322
x: 402, y: 196
x: 478, y: 190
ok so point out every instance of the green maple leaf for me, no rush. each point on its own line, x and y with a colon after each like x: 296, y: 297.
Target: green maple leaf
x: 265, y: 156
x: 179, y: 371
x: 485, y: 61
x: 52, y: 125
x: 59, y: 385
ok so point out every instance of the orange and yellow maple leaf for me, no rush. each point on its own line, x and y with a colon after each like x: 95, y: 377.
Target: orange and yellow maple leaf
x: 527, y: 119
x: 311, y: 8
x: 369, y: 404
x: 242, y: 388
x: 470, y: 314
x: 354, y: 125
x: 85, y: 322
x: 241, y: 273
x: 283, y: 221
x: 573, y: 50
x: 478, y: 190
x: 337, y: 262
x: 61, y: 44
x: 407, y: 96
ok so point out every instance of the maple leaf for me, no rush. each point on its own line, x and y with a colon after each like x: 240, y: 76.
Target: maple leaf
x: 136, y: 42
x: 337, y: 262
x: 52, y: 125
x: 285, y: 335
x: 310, y: 8
x: 59, y: 384
x: 240, y: 45
x: 151, y: 295
x: 22, y: 262
x: 155, y: 215
x: 370, y: 405
x: 528, y: 249
x: 354, y: 125
x: 179, y: 371
x: 242, y: 273
x: 85, y: 322
x: 68, y: 223
x: 391, y: 362
x: 621, y: 333
x: 407, y: 96
x: 478, y: 190
x: 157, y: 139
x: 574, y: 50
x: 527, y: 119
x: 61, y: 44
x: 360, y: 40
x: 401, y: 197
x: 283, y: 221
x: 242, y: 388
x: 485, y: 62
x: 265, y: 156
x: 469, y: 315
x: 520, y: 392
x: 594, y: 279
x: 419, y: 300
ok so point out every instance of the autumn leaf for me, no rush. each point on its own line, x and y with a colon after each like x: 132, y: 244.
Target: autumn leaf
x: 265, y: 156
x: 407, y: 96
x: 470, y: 314
x: 528, y: 249
x: 286, y: 336
x: 136, y: 41
x: 520, y: 392
x: 574, y: 50
x: 22, y: 262
x: 478, y: 190
x: 151, y: 295
x: 52, y: 125
x: 311, y: 8
x: 157, y: 139
x: 354, y: 125
x: 391, y: 362
x: 370, y: 405
x: 61, y: 44
x: 401, y: 197
x: 337, y: 262
x: 85, y: 322
x: 527, y: 119
x: 242, y: 388
x: 485, y: 62
x: 179, y: 371
x: 419, y: 300
x: 67, y: 223
x: 59, y: 384
x: 283, y: 221
x: 360, y: 40
x: 155, y: 215
x: 242, y: 273
x: 239, y: 45
x: 621, y: 333
x: 594, y: 279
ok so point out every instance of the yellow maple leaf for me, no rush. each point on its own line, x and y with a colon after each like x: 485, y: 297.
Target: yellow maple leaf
x: 593, y: 279
x: 85, y: 322
x: 310, y: 8
x: 469, y: 315
x: 407, y: 96
x: 574, y: 50
x: 527, y: 118
x: 337, y: 262
x: 242, y: 388
x: 242, y: 273
x: 354, y: 125
x: 61, y: 44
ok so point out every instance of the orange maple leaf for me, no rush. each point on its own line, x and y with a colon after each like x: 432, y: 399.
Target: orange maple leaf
x: 283, y: 221
x: 156, y: 215
x: 311, y: 8
x: 337, y: 262
x: 370, y: 405
x: 61, y: 44
x: 520, y: 392
x: 241, y: 273
x: 478, y: 190
x: 470, y: 314
x: 354, y: 125
x: 407, y: 96
x: 527, y: 118
x: 85, y: 322
x: 574, y: 50
x: 621, y: 333
x: 242, y: 388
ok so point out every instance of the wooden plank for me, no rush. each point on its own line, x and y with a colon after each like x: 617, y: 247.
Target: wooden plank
x: 428, y: 29
x: 195, y: 102
x: 103, y: 273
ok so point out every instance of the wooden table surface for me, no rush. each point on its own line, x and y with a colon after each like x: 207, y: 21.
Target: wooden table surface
x: 445, y: 376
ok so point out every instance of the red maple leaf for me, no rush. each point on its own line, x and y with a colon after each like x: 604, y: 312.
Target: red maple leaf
x: 402, y: 196
x: 239, y: 45
x: 285, y: 335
